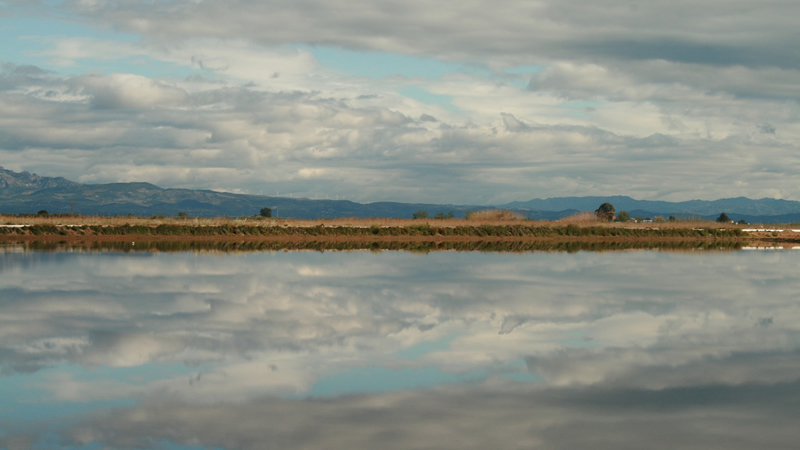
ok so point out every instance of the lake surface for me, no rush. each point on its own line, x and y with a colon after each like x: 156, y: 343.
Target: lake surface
x: 407, y: 350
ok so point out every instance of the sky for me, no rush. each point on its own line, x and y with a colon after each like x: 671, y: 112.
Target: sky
x: 443, y: 102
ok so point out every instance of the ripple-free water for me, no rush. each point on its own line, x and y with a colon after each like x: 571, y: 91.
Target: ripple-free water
x: 634, y: 349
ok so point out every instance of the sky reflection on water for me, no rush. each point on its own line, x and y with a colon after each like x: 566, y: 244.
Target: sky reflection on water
x: 399, y: 350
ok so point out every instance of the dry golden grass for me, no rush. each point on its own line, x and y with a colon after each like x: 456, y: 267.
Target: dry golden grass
x: 481, y: 219
x: 116, y: 221
x: 488, y: 217
x: 494, y: 215
x: 582, y: 218
x: 678, y: 224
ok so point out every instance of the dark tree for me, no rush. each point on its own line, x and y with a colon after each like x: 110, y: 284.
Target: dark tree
x: 673, y: 219
x: 42, y: 212
x: 624, y: 216
x: 441, y: 215
x: 723, y: 218
x: 742, y: 222
x: 605, y: 212
x: 265, y: 212
x: 182, y: 215
x: 420, y: 214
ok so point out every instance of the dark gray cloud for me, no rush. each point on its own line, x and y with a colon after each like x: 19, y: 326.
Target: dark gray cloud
x: 766, y: 128
x: 710, y: 417
x: 711, y: 32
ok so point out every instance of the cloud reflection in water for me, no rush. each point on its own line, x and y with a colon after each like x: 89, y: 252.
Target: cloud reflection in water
x: 326, y: 350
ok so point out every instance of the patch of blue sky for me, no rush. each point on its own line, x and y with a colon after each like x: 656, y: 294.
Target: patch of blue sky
x: 53, y: 440
x: 29, y: 41
x: 517, y: 370
x: 416, y: 352
x: 375, y: 379
x: 23, y: 398
x: 28, y: 405
x: 579, y: 109
x: 383, y: 64
x: 139, y: 65
x: 142, y: 374
x: 521, y: 84
x: 21, y: 38
x: 429, y: 98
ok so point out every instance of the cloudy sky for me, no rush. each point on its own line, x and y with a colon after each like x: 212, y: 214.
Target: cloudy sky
x: 446, y: 101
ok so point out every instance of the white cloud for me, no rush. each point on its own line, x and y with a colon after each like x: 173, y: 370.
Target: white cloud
x: 129, y: 91
x: 663, y: 100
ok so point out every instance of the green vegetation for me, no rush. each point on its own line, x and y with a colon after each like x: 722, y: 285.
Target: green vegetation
x: 605, y: 212
x: 265, y: 212
x: 420, y: 215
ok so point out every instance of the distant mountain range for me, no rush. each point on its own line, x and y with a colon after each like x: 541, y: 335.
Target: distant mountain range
x: 23, y: 192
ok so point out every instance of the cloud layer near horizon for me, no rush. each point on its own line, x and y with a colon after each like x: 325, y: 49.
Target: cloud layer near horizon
x: 661, y: 100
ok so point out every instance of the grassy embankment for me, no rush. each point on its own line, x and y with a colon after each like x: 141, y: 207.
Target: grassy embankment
x: 102, y: 226
x: 484, y: 225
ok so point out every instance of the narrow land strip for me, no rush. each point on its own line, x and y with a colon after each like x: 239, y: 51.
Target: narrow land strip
x: 520, y: 231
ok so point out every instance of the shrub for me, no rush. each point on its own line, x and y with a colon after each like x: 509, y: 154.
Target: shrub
x: 420, y: 214
x: 605, y: 212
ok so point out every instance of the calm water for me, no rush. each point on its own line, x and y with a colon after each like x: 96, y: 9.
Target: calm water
x: 550, y: 350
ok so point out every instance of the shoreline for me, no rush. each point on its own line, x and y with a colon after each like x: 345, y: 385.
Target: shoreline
x: 76, y: 238
x: 363, y: 231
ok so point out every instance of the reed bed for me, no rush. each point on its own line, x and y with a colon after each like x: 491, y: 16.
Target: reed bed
x: 528, y: 229
x: 582, y: 218
x: 376, y: 246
